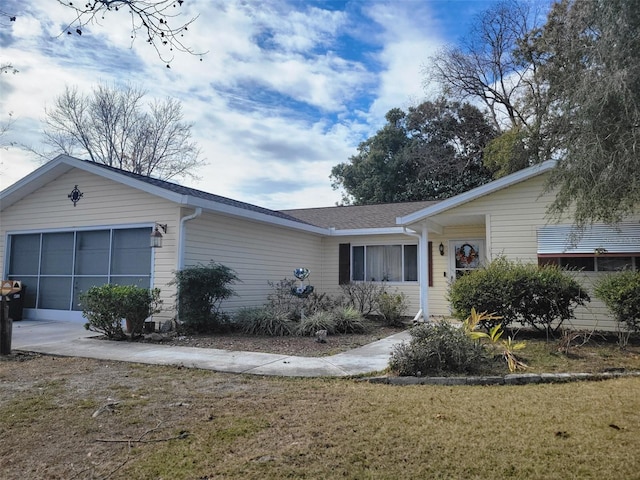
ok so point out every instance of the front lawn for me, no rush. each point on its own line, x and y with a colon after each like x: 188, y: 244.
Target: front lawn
x: 77, y: 418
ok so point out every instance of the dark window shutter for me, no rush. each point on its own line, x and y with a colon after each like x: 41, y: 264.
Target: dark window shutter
x: 344, y: 263
x: 430, y: 254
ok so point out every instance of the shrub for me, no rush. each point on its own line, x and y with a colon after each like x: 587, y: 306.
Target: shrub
x: 105, y: 306
x: 102, y: 307
x: 138, y: 304
x: 263, y: 321
x: 318, y: 302
x: 282, y: 300
x: 517, y: 292
x: 318, y: 321
x: 620, y: 292
x: 392, y: 307
x: 362, y: 296
x: 349, y: 320
x: 201, y: 290
x: 438, y: 349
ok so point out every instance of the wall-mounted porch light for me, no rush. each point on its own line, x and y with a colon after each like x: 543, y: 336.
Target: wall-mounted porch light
x: 441, y: 249
x: 156, y: 236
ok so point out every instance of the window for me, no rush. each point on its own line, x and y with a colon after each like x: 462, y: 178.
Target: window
x: 384, y: 263
x: 57, y: 267
x: 592, y: 263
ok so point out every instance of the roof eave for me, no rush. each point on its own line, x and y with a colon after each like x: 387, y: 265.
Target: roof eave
x: 252, y: 215
x: 366, y: 231
x: 63, y: 163
x: 477, y: 192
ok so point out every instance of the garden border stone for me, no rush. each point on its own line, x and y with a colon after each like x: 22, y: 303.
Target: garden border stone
x: 511, y: 379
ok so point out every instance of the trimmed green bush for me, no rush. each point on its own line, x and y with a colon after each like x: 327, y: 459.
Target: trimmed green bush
x: 318, y: 321
x: 620, y: 292
x: 201, y: 290
x: 349, y: 320
x: 139, y: 304
x: 540, y: 297
x: 101, y: 306
x: 105, y: 307
x: 263, y: 321
x: 438, y: 349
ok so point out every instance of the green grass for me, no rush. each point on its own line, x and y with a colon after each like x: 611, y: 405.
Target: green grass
x: 251, y: 427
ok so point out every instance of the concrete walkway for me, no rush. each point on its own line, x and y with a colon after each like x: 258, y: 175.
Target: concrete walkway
x: 72, y: 340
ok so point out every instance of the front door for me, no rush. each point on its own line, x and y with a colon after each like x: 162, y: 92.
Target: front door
x: 465, y: 256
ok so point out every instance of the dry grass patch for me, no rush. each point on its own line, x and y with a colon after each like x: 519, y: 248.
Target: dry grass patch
x: 191, y: 424
x: 586, y: 353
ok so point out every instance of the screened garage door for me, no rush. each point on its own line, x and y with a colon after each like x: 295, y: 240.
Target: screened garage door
x: 57, y: 267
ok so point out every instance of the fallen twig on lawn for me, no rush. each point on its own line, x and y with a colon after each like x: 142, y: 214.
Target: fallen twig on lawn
x: 181, y: 435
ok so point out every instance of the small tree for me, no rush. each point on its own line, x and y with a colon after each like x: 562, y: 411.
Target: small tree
x: 201, y: 290
x: 620, y: 292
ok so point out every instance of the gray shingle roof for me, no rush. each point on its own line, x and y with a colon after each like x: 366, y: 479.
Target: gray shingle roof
x: 358, y: 216
x: 347, y: 217
x: 182, y: 190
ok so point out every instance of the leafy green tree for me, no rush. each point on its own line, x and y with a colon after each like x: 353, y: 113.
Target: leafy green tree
x: 432, y: 151
x: 592, y: 68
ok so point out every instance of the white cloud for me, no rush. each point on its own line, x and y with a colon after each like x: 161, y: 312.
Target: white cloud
x: 409, y: 36
x: 274, y: 104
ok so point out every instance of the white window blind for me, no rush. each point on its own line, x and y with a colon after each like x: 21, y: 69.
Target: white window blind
x: 564, y: 239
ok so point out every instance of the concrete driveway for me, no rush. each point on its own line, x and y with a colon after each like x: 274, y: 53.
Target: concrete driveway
x: 72, y: 340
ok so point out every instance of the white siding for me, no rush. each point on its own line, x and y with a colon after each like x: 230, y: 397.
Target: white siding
x: 515, y: 214
x: 104, y: 204
x: 258, y: 252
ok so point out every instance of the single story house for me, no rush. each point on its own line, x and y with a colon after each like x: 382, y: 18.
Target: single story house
x: 72, y: 224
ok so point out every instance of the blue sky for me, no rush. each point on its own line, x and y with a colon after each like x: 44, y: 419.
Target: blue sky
x: 288, y: 89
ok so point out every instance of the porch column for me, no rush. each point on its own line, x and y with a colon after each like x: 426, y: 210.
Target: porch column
x: 424, y: 272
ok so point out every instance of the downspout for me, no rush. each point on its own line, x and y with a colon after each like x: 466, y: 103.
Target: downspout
x: 423, y: 242
x: 181, y: 236
x: 184, y: 220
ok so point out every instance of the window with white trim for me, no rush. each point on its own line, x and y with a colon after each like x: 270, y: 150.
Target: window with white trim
x: 384, y: 263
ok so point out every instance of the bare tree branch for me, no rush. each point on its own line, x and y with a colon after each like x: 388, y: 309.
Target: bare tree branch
x: 151, y: 19
x: 114, y: 127
x: 497, y: 66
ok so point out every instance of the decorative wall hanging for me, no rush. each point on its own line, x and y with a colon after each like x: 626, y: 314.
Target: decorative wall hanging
x: 467, y: 256
x: 75, y: 195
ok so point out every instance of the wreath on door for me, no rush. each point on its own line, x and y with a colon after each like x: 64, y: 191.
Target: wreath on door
x: 466, y: 254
